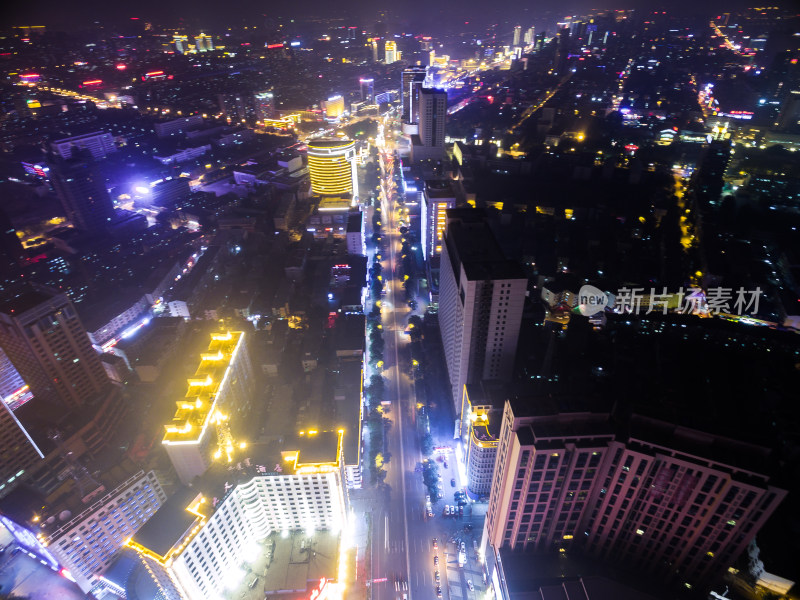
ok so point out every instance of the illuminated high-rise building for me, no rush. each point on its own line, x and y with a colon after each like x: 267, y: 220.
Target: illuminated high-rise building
x: 44, y: 339
x: 194, y: 546
x: 334, y: 107
x: 181, y: 43
x: 332, y: 167
x: 367, y: 90
x: 432, y: 116
x: 81, y: 188
x: 530, y: 36
x: 391, y: 52
x: 264, y: 104
x: 214, y: 408
x: 517, y: 35
x: 437, y: 197
x: 410, y: 76
x: 204, y: 43
x: 481, y: 297
x: 674, y: 503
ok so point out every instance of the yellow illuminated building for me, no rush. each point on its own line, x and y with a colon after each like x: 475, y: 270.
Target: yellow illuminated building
x: 221, y: 383
x: 391, y: 52
x: 332, y: 167
x: 194, y: 545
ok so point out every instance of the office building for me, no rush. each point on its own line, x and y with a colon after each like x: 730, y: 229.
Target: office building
x: 81, y: 189
x: 410, y: 75
x: 178, y: 127
x: 204, y: 43
x: 391, y: 52
x: 481, y: 297
x: 332, y: 167
x: 44, y: 339
x: 198, y: 545
x: 215, y: 407
x: 87, y: 542
x: 264, y: 105
x: 98, y: 143
x: 334, y: 107
x: 181, y: 43
x: 19, y: 451
x: 429, y: 143
x: 13, y: 390
x: 517, y: 36
x: 675, y: 503
x: 530, y: 36
x: 437, y: 197
x: 354, y: 236
x: 29, y: 570
x: 482, y: 406
x: 237, y: 108
x: 367, y: 90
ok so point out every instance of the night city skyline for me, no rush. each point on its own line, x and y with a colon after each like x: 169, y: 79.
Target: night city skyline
x: 416, y: 301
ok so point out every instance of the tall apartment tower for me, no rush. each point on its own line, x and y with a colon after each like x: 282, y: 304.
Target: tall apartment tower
x: 264, y: 104
x: 367, y: 90
x: 517, y: 35
x: 222, y: 387
x: 428, y: 143
x: 530, y: 36
x: 44, y: 339
x: 481, y: 297
x: 83, y: 194
x: 437, y: 197
x: 678, y: 504
x: 391, y: 52
x: 410, y: 75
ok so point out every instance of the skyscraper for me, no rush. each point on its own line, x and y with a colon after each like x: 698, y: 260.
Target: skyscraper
x: 334, y: 107
x: 194, y: 546
x: 83, y: 194
x: 429, y: 143
x: 367, y: 90
x: 517, y: 35
x: 437, y: 197
x: 411, y: 74
x: 391, y: 52
x: 332, y: 167
x: 675, y: 503
x: 181, y: 42
x: 220, y: 389
x: 41, y: 334
x: 264, y: 103
x: 481, y: 299
x: 530, y: 36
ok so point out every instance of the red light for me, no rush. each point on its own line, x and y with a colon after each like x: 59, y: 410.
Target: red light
x: 270, y: 46
x: 29, y: 76
x: 121, y: 67
x: 93, y: 82
x: 154, y: 73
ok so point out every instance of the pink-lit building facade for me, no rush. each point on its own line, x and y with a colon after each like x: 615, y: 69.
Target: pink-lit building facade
x: 666, y: 500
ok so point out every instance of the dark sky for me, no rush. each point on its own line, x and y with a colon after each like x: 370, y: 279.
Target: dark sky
x: 75, y: 14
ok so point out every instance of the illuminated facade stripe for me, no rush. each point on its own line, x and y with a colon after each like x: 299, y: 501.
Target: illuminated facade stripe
x: 332, y: 167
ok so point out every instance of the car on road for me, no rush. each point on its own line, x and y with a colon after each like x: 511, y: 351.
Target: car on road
x: 435, y: 543
x: 470, y: 586
x: 460, y: 511
x: 445, y: 464
x: 446, y: 510
x: 438, y: 591
x: 452, y: 482
x: 436, y: 560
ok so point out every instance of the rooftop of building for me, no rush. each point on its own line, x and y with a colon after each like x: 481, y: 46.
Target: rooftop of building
x: 28, y: 298
x: 170, y: 522
x: 195, y: 412
x: 471, y: 244
x: 559, y: 576
x: 330, y: 143
x: 354, y: 221
x: 439, y: 188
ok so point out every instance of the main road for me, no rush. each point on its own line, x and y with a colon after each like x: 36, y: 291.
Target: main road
x: 402, y: 540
